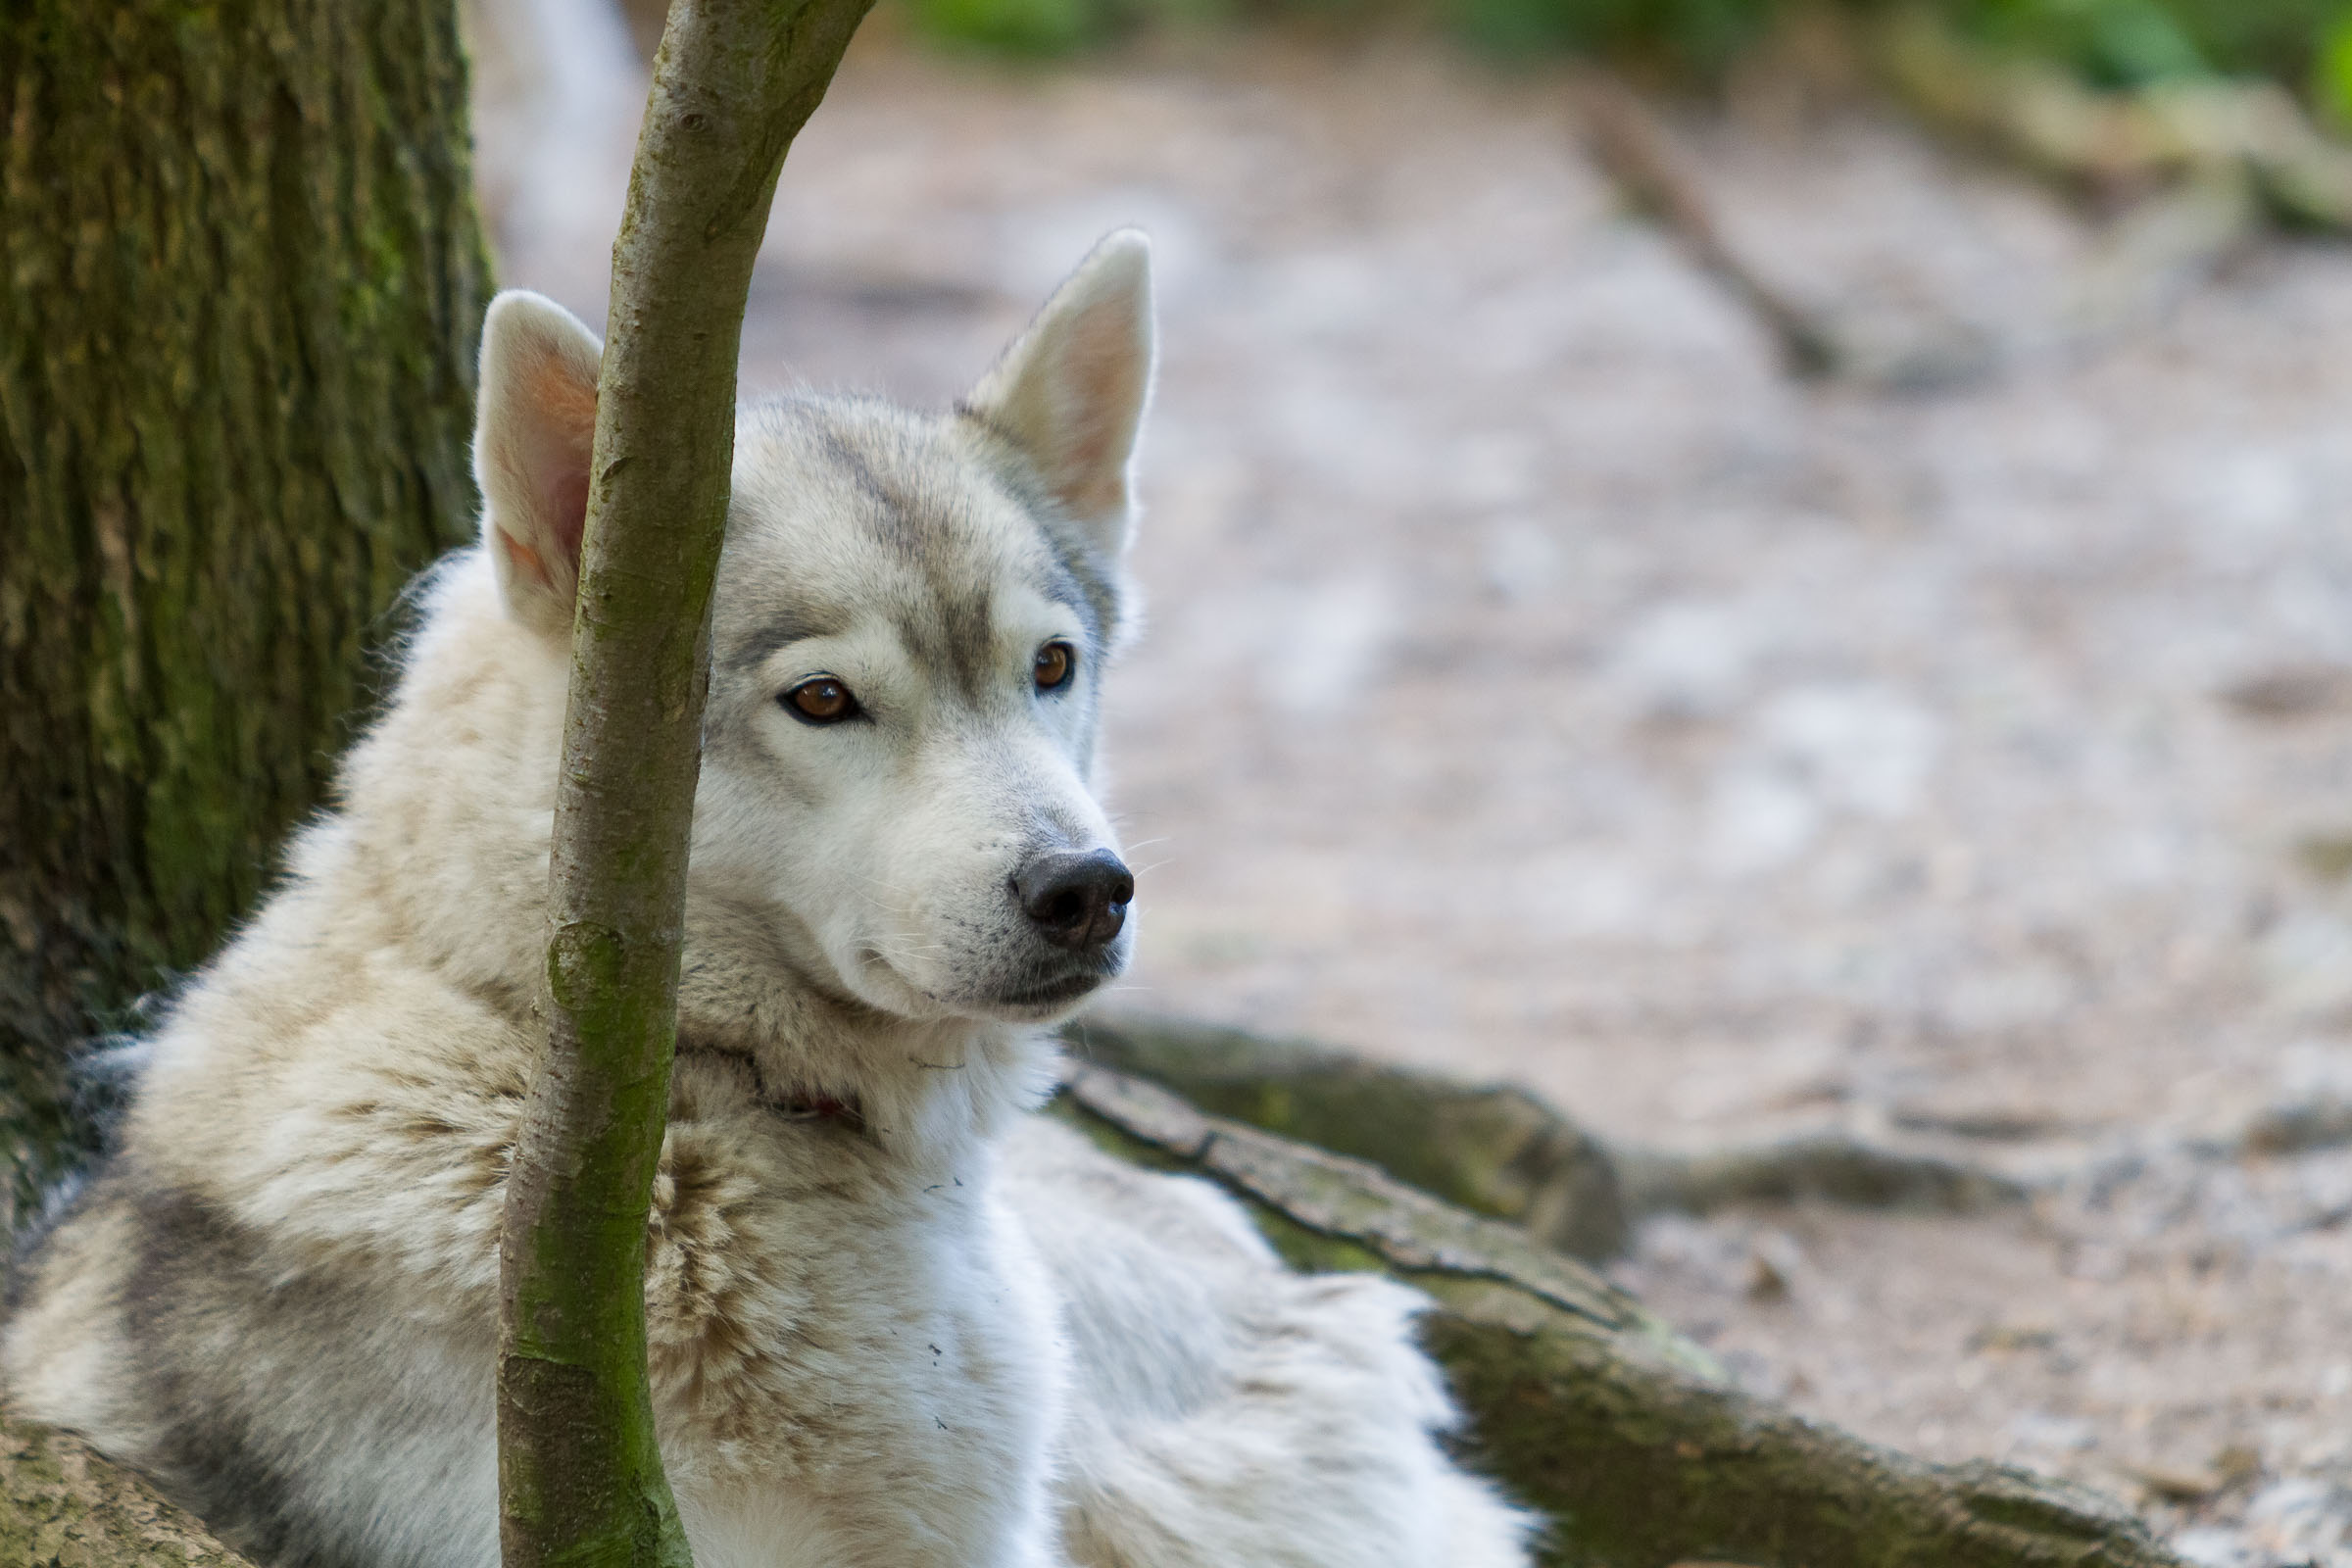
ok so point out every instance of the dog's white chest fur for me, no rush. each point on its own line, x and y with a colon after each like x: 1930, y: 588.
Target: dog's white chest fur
x: 850, y: 1347
x: 853, y: 1367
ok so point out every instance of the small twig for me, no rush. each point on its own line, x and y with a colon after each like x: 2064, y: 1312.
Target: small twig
x: 1829, y: 1167
x: 1639, y: 154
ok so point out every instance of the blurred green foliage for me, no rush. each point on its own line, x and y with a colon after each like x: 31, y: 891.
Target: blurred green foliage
x: 2332, y: 71
x: 1043, y: 29
x: 2129, y: 43
x: 2110, y: 43
x: 1013, y: 26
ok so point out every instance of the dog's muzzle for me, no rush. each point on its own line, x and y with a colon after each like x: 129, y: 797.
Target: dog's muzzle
x: 1075, y: 900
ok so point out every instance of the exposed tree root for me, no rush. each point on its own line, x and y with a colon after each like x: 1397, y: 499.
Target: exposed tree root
x: 1502, y: 1151
x: 1492, y: 1150
x: 1588, y: 1408
x: 1831, y: 1167
x: 63, y: 1506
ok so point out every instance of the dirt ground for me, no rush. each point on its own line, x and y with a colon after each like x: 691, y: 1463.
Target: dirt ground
x: 1539, y: 684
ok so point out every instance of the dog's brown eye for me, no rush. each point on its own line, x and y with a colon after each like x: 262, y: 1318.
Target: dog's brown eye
x: 821, y: 700
x: 1054, y: 665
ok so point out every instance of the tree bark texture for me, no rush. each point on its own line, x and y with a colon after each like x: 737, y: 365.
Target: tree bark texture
x: 242, y: 292
x: 1627, y: 1439
x: 63, y: 1506
x: 1490, y: 1149
x: 579, y: 1473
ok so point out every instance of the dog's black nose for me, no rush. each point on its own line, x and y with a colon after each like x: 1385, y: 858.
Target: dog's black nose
x: 1075, y: 900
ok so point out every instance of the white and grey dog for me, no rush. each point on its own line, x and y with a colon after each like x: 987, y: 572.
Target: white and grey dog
x: 893, y: 1318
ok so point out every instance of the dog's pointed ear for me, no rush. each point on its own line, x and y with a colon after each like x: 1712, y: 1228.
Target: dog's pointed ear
x: 534, y: 430
x: 1070, y: 393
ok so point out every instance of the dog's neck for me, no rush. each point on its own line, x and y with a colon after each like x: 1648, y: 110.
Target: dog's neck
x: 924, y: 1089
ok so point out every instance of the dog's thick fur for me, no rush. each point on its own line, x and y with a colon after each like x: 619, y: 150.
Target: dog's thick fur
x: 893, y: 1318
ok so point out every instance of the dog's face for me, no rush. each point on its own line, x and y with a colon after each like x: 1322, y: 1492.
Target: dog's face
x: 905, y: 665
x: 908, y: 635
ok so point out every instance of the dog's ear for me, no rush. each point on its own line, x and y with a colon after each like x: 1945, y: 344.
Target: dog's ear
x: 1070, y: 393
x: 534, y: 429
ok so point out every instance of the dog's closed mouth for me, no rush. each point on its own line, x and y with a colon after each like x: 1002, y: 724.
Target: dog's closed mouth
x: 1069, y: 988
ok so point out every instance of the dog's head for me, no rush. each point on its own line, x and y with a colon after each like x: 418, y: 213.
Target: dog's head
x: 912, y: 619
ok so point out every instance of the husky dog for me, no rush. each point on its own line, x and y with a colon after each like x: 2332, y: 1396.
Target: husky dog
x: 894, y: 1319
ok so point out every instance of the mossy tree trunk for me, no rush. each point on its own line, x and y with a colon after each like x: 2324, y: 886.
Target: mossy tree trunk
x: 243, y: 287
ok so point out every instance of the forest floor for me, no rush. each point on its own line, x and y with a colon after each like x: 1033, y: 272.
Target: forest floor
x: 1540, y: 685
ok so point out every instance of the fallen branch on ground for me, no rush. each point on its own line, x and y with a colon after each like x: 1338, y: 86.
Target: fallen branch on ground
x: 1906, y: 349
x: 1636, y: 152
x: 1823, y: 1167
